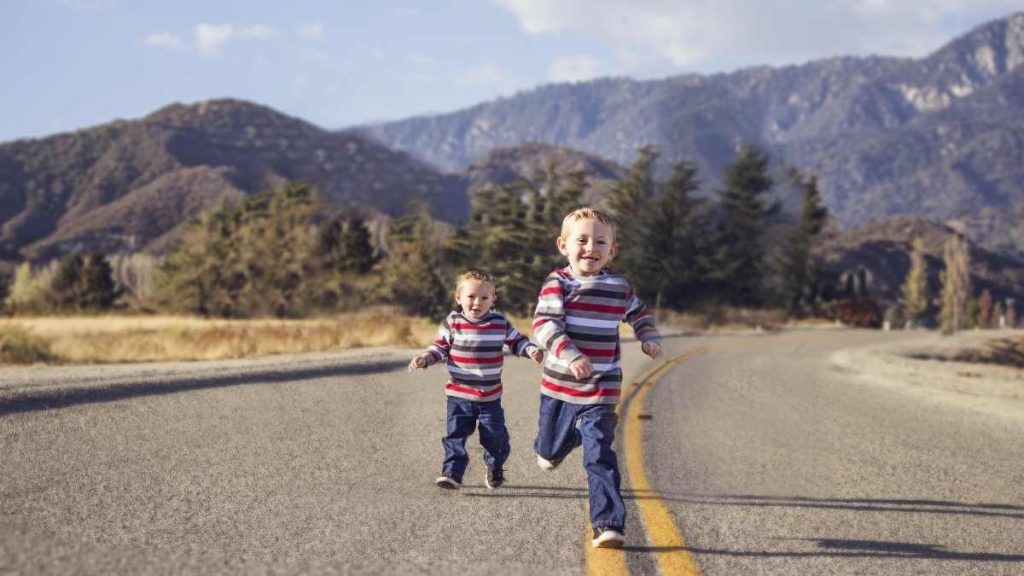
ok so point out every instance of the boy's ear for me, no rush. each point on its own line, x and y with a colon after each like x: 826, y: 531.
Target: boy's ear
x: 613, y: 252
x: 560, y: 242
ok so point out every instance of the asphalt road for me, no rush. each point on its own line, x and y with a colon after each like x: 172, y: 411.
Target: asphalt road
x: 769, y: 460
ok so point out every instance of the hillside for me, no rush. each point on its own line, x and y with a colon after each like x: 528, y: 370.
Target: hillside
x: 940, y: 136
x: 129, y: 185
x: 883, y: 250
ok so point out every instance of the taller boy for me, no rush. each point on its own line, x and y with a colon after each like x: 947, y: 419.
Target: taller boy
x: 577, y: 321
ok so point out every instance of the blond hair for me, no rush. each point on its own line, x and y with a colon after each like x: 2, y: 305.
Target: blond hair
x: 474, y: 274
x: 588, y: 213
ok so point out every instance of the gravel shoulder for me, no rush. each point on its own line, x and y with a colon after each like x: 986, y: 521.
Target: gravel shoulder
x: 990, y: 388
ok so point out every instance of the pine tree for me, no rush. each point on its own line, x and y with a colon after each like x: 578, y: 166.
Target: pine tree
x: 630, y: 202
x: 98, y: 290
x: 672, y: 245
x: 795, y: 265
x: 739, y: 261
x: 413, y: 275
x: 956, y: 286
x: 66, y: 284
x: 915, y: 286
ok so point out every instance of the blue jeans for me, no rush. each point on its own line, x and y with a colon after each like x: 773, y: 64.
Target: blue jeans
x: 463, y: 416
x: 557, y: 436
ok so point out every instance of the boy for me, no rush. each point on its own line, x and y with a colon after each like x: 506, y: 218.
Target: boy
x: 577, y: 321
x: 471, y: 339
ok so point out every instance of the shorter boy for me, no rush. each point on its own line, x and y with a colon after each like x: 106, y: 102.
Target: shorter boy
x: 577, y: 320
x: 471, y: 339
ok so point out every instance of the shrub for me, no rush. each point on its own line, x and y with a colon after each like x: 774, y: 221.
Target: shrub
x: 19, y: 346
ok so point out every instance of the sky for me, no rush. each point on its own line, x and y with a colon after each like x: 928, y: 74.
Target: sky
x: 70, y: 64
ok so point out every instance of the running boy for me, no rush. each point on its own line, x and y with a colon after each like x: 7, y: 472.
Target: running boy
x: 471, y: 339
x: 577, y: 321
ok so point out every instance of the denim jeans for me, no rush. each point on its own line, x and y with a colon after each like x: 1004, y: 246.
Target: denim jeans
x: 463, y: 416
x: 558, y: 435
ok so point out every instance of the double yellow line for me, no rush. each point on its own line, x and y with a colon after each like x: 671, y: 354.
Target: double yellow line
x: 662, y: 533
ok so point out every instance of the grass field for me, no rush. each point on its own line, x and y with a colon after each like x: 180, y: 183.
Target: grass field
x: 100, y: 339
x: 122, y: 338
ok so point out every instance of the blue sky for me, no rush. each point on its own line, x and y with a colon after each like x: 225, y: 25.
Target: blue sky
x: 72, y: 64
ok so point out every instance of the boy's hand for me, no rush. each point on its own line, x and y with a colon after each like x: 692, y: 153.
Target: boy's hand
x: 581, y: 368
x: 537, y: 355
x: 652, y: 349
x: 417, y: 362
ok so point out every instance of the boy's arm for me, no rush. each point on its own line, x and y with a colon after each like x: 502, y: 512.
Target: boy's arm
x: 440, y: 347
x: 549, y: 322
x: 519, y: 345
x: 641, y: 320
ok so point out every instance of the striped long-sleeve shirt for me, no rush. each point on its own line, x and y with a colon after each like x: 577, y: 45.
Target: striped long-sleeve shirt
x: 578, y: 316
x: 473, y: 351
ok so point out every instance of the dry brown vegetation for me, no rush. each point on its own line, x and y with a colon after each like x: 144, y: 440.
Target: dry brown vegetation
x: 101, y: 339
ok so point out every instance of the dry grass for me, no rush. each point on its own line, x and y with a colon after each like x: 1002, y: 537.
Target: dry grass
x: 167, y: 338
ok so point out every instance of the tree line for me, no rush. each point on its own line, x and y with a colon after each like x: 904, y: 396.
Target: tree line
x: 282, y: 253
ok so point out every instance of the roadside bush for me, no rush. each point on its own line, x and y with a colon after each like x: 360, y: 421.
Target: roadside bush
x: 863, y: 312
x: 19, y: 346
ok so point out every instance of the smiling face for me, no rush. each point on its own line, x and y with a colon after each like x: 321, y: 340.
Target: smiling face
x: 475, y: 296
x: 589, y: 245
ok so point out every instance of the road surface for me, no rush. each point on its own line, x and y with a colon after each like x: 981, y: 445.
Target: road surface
x: 762, y: 456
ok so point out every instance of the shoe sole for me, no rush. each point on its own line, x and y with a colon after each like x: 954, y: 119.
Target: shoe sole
x: 613, y: 540
x: 550, y: 464
x: 446, y: 483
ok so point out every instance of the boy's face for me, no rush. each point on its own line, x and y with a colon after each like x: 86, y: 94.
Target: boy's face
x: 589, y: 246
x: 475, y: 297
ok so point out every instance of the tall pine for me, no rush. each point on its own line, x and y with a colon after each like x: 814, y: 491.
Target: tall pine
x: 739, y: 262
x: 796, y: 266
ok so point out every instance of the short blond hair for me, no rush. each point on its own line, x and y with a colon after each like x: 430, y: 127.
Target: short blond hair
x: 474, y: 274
x: 588, y: 213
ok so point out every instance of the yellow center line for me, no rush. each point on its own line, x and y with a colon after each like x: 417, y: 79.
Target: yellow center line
x: 662, y: 533
x: 609, y: 561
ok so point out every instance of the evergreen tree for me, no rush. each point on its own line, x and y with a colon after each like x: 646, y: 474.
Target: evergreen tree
x: 413, y: 275
x: 674, y: 257
x: 98, y: 291
x: 796, y: 265
x: 915, y: 286
x: 67, y: 282
x: 356, y: 246
x: 956, y: 284
x: 739, y: 260
x: 630, y: 202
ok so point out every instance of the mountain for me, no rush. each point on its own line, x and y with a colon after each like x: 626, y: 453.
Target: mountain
x: 532, y: 161
x: 883, y: 250
x: 940, y: 136
x: 130, y: 185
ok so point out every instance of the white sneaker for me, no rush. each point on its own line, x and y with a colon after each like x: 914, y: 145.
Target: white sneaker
x: 608, y: 539
x: 447, y: 483
x: 547, y: 464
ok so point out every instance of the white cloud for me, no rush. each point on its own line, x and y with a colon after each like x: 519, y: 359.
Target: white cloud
x: 313, y: 31
x: 575, y: 69
x: 258, y: 32
x: 164, y: 40
x: 714, y: 34
x: 210, y: 37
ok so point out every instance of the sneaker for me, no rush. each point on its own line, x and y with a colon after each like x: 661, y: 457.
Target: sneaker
x: 495, y: 478
x: 547, y: 464
x: 607, y: 538
x: 447, y: 483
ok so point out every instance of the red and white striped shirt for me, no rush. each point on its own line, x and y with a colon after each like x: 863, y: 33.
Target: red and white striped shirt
x: 473, y: 351
x: 578, y: 316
